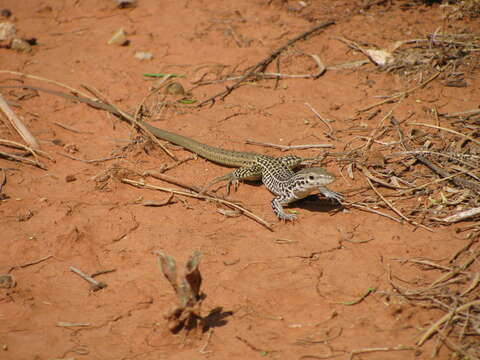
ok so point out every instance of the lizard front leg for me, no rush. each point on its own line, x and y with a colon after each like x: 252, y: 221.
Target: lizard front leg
x: 330, y: 194
x: 277, y: 206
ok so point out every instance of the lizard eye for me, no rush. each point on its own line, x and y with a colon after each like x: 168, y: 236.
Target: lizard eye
x: 311, y: 177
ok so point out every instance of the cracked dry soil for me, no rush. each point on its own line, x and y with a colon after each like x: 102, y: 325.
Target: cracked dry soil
x: 277, y: 295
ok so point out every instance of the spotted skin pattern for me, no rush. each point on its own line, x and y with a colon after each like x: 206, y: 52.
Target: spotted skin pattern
x: 290, y: 186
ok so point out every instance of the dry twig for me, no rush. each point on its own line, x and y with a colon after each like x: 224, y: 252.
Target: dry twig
x: 288, y: 147
x: 92, y: 160
x: 403, y: 94
x: 435, y: 327
x: 262, y: 65
x: 94, y: 284
x: 23, y: 160
x: 200, y: 196
x: 30, y: 263
x: 384, y: 349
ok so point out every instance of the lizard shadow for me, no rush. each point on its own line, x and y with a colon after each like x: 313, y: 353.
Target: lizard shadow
x: 314, y: 203
x: 317, y: 203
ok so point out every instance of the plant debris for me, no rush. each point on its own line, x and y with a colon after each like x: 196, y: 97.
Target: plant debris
x: 455, y: 294
x: 187, y: 313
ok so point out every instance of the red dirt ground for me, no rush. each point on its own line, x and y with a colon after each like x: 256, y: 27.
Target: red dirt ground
x: 272, y: 295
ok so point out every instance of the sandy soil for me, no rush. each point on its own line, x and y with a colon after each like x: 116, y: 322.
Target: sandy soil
x: 274, y: 294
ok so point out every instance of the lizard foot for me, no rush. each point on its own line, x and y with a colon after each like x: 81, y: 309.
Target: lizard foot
x: 331, y: 194
x: 281, y: 214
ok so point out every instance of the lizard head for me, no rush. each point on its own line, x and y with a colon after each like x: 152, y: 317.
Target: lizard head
x: 315, y: 176
x: 308, y: 180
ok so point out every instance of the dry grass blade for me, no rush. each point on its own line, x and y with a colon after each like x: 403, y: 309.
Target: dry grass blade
x: 370, y: 176
x: 72, y: 129
x: 288, y: 147
x: 462, y: 215
x: 315, y: 112
x: 462, y: 114
x: 22, y: 159
x: 404, y: 93
x: 321, y: 70
x: 97, y: 105
x: 34, y: 152
x: 473, y: 285
x: 108, y: 106
x: 442, y: 179
x: 457, y: 270
x: 436, y: 326
x: 40, y: 78
x: 18, y: 124
x: 91, y: 160
x: 369, y: 350
x: 446, y: 129
x: 390, y: 205
x: 373, y: 211
x: 160, y: 176
x: 451, y: 293
x: 387, y: 202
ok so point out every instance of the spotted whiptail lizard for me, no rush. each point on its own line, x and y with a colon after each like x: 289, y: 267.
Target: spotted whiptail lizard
x: 276, y: 173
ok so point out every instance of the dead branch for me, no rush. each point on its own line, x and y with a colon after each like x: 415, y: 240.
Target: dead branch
x: 201, y: 196
x: 262, y: 65
x: 461, y: 182
x: 22, y: 159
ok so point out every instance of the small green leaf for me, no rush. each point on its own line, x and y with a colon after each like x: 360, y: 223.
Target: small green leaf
x: 161, y: 75
x: 187, y: 101
x: 361, y: 298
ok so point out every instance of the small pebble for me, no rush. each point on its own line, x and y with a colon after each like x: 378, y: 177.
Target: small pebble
x: 70, y: 178
x: 119, y: 38
x: 20, y: 45
x: 140, y: 55
x: 123, y: 4
x: 8, y: 31
x: 6, y: 281
x: 175, y: 88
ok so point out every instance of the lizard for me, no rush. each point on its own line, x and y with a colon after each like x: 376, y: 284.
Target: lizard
x: 276, y: 173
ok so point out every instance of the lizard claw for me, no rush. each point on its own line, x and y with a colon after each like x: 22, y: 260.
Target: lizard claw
x: 331, y: 194
x: 281, y: 214
x: 234, y: 183
x: 287, y: 217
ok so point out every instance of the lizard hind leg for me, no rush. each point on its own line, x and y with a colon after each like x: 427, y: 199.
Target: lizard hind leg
x: 244, y: 173
x: 229, y: 178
